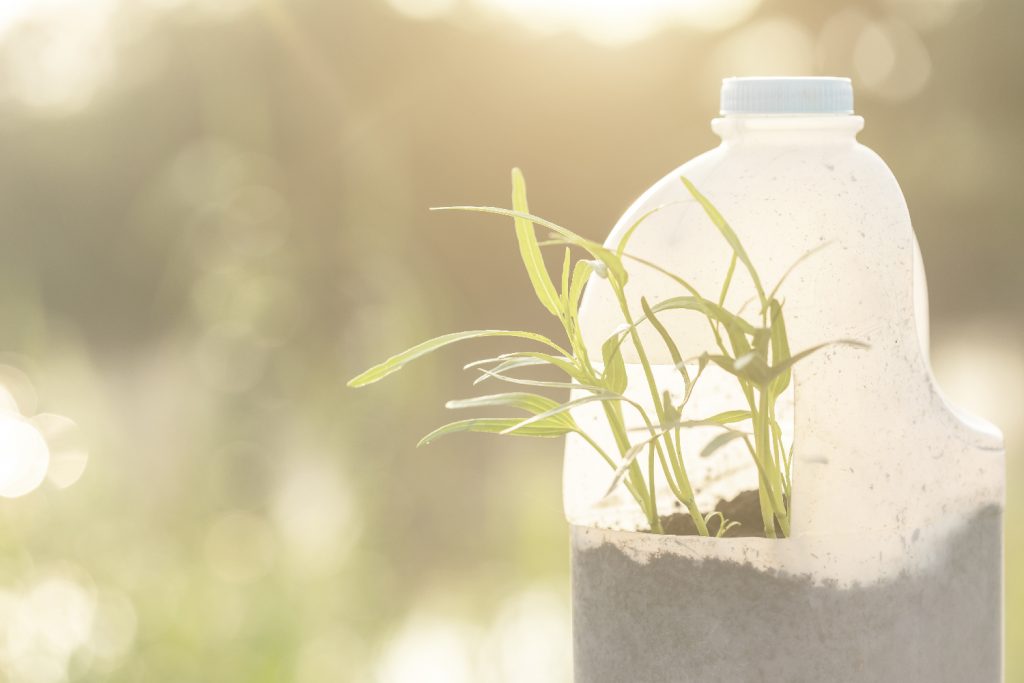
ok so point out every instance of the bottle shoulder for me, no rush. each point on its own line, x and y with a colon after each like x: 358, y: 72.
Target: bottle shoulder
x: 840, y: 202
x: 836, y: 176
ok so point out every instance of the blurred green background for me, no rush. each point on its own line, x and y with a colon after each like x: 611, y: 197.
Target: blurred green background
x: 213, y: 213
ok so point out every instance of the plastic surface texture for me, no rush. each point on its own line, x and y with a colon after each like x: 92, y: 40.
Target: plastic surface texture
x: 898, y: 496
x: 787, y: 95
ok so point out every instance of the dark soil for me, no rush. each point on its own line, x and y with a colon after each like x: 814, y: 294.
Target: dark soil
x: 744, y: 508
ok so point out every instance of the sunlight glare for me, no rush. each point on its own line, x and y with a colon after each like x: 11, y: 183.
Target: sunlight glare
x: 114, y: 627
x: 431, y: 649
x: 68, y: 454
x: 530, y: 640
x: 13, y: 12
x: 315, y: 513
x: 423, y: 9
x: 612, y: 22
x: 17, y: 393
x: 606, y: 22
x: 61, y: 54
x: 24, y: 456
x: 44, y: 626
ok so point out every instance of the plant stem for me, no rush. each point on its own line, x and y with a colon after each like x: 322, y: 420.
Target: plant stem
x: 635, y: 478
x: 611, y: 463
x: 772, y: 505
x: 683, y: 480
x: 655, y: 517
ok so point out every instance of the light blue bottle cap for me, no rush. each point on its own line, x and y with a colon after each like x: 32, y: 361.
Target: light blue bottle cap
x: 787, y: 95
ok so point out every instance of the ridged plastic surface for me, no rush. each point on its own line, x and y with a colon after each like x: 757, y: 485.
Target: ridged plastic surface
x: 787, y: 95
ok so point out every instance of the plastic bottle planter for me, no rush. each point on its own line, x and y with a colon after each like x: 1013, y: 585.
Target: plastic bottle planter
x: 893, y: 571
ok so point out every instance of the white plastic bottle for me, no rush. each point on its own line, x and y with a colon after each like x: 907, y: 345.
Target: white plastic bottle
x: 886, y: 474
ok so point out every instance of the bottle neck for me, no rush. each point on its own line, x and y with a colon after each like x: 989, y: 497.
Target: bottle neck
x: 786, y: 129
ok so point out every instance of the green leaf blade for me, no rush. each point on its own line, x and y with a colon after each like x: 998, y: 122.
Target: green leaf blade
x: 614, y: 378
x: 561, y: 409
x: 529, y: 250
x: 580, y: 274
x: 399, y: 361
x: 710, y: 310
x: 620, y: 250
x: 720, y: 441
x: 522, y: 400
x: 531, y: 403
x: 728, y: 233
x: 779, y: 346
x: 673, y: 349
x: 497, y: 425
x: 596, y: 250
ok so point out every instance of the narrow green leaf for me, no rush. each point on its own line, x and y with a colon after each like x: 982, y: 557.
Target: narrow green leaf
x: 563, y: 363
x: 685, y: 285
x: 750, y: 368
x: 753, y: 368
x: 728, y: 233
x: 728, y: 280
x: 509, y: 364
x: 564, y: 295
x: 724, y: 525
x: 806, y: 255
x: 580, y: 274
x: 726, y: 417
x: 709, y: 308
x: 724, y: 362
x: 721, y: 522
x: 718, y: 420
x: 528, y: 248
x: 397, y: 362
x: 596, y: 250
x: 779, y: 346
x: 636, y: 224
x: 667, y: 273
x: 784, y: 366
x: 738, y: 341
x: 512, y: 361
x: 668, y: 410
x: 736, y: 327
x: 719, y: 441
x: 563, y: 408
x: 627, y: 461
x: 523, y: 381
x: 702, y: 364
x: 673, y: 350
x: 531, y: 403
x: 501, y: 360
x: 614, y: 377
x: 497, y: 425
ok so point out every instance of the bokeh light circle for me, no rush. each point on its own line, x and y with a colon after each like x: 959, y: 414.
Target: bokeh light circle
x: 24, y: 456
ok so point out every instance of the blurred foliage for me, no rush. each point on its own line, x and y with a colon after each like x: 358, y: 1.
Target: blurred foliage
x: 214, y: 212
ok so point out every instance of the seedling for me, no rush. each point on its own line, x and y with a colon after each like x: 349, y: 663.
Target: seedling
x: 756, y: 355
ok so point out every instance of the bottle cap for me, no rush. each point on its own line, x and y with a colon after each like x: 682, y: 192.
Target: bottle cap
x: 787, y: 95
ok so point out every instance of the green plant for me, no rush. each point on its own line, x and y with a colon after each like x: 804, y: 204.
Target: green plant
x: 758, y: 356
